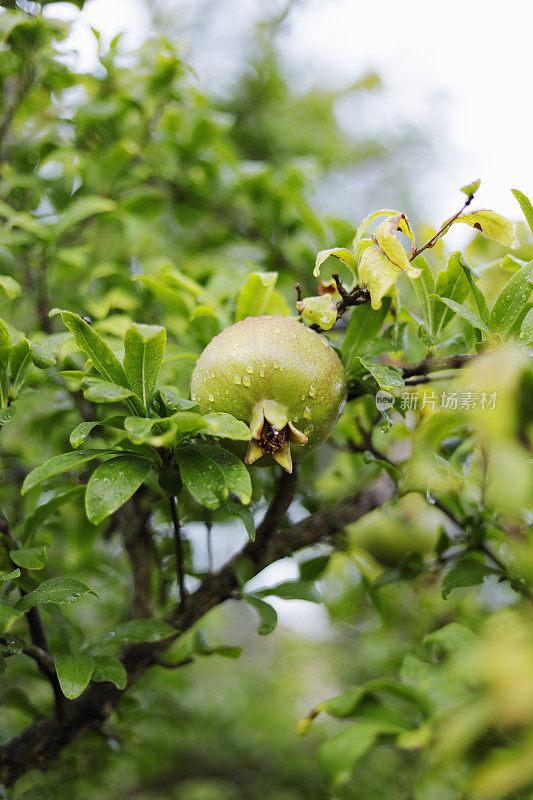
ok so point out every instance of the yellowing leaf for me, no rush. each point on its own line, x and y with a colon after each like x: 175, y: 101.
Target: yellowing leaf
x: 493, y: 225
x: 379, y: 274
x: 385, y: 238
x: 320, y: 310
x: 344, y: 255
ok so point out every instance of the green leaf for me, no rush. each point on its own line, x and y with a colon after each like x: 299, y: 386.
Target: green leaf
x: 236, y: 475
x: 81, y: 209
x: 268, y: 619
x: 320, y: 310
x: 5, y: 343
x: 19, y: 365
x: 74, y: 673
x: 364, y: 326
x: 82, y: 431
x: 227, y: 427
x: 452, y: 282
x: 468, y: 571
x: 471, y: 188
x: 173, y: 402
x: 8, y: 615
x: 10, y: 286
x: 55, y: 590
x: 526, y: 329
x: 144, y: 348
x: 10, y: 576
x: 347, y: 703
x: 140, y: 630
x: 525, y: 205
x: 479, y: 300
x: 202, y: 476
x: 291, y: 590
x: 339, y: 755
x: 109, y: 668
x: 312, y: 568
x: 29, y: 557
x: 42, y: 355
x: 92, y: 344
x: 245, y: 515
x: 492, y: 225
x: 512, y: 300
x: 341, y: 253
x: 423, y: 287
x: 57, y: 464
x: 97, y: 390
x: 464, y: 312
x: 141, y: 429
x: 203, y: 648
x: 255, y: 294
x: 112, y: 483
x: 451, y: 639
x: 45, y: 510
x: 388, y: 378
x: 7, y: 414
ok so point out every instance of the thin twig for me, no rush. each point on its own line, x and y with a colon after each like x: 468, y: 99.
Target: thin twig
x: 209, y: 543
x: 442, y: 230
x: 275, y: 513
x: 180, y: 561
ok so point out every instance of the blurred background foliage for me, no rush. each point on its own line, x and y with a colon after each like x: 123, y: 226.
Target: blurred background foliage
x: 131, y: 194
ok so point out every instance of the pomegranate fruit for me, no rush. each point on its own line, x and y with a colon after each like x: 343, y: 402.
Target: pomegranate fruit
x: 280, y: 377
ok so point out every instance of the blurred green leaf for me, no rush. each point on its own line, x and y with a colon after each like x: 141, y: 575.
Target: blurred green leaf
x: 29, y: 557
x: 468, y: 571
x: 109, y: 668
x: 525, y: 205
x: 74, y: 673
x: 268, y: 619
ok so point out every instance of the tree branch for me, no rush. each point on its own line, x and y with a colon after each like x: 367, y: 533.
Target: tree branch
x: 418, y: 371
x: 35, y: 624
x: 132, y: 521
x: 42, y: 742
x: 429, y: 364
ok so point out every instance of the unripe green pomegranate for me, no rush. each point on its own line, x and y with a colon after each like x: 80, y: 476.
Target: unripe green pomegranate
x: 281, y: 378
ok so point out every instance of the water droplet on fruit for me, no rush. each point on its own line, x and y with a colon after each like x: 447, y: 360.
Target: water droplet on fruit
x: 275, y: 364
x: 211, y: 398
x: 262, y: 373
x: 307, y: 412
x: 312, y: 391
x: 246, y: 380
x: 237, y: 379
x: 249, y: 369
x: 302, y: 397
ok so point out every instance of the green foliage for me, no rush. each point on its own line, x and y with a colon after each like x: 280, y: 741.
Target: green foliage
x: 159, y: 217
